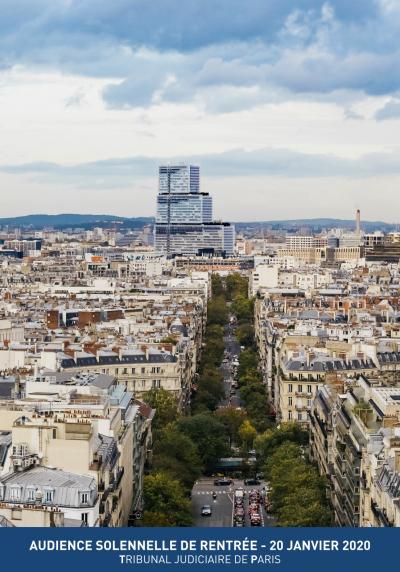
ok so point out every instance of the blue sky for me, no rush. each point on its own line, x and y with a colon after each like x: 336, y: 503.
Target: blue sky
x: 291, y: 108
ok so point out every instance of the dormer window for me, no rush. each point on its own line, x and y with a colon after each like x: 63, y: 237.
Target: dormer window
x: 30, y: 495
x: 15, y: 493
x: 85, y: 496
x: 49, y: 495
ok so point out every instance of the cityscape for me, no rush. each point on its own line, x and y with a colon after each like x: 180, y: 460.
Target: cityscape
x: 199, y: 281
x: 183, y: 374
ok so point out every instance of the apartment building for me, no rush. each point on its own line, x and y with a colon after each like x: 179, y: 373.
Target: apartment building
x: 354, y: 438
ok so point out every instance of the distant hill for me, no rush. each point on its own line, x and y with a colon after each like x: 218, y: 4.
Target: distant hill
x: 66, y: 220
x: 317, y: 224
x: 87, y: 221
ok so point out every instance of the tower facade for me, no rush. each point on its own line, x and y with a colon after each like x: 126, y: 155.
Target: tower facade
x: 184, y: 219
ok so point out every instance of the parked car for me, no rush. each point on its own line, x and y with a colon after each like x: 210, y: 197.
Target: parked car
x: 206, y: 510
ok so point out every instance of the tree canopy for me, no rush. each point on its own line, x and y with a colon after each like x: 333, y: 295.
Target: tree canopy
x: 165, y: 502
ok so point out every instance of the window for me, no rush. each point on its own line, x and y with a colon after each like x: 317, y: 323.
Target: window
x: 300, y: 416
x: 289, y: 415
x: 290, y: 401
x: 143, y: 370
x: 15, y: 494
x: 308, y: 402
x: 290, y: 388
x: 85, y: 517
x: 84, y: 498
x: 300, y: 388
x: 48, y: 496
x: 133, y: 370
x: 156, y: 383
x: 309, y: 388
x: 30, y: 495
x: 125, y: 370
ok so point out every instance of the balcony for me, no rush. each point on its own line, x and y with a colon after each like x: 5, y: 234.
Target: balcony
x: 380, y: 515
x: 117, y: 481
x: 107, y: 520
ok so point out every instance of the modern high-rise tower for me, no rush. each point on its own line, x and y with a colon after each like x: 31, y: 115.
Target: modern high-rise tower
x: 184, y: 222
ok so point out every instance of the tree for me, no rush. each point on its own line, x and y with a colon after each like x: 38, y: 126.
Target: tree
x: 297, y: 490
x: 243, y: 308
x: 217, y: 285
x: 165, y: 405
x: 245, y: 334
x: 235, y: 285
x: 248, y: 359
x: 232, y: 419
x: 247, y: 434
x: 176, y: 454
x: 165, y: 503
x: 267, y: 443
x: 209, y: 434
x: 217, y: 312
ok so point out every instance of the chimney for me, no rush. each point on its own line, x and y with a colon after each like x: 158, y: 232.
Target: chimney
x: 358, y: 222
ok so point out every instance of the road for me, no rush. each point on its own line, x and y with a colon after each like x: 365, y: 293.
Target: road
x: 233, y: 347
x: 222, y: 507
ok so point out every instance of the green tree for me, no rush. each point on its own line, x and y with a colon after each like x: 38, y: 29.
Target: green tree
x: 232, y: 418
x: 209, y: 434
x: 217, y: 312
x: 235, y: 285
x: 247, y: 434
x: 217, y: 286
x: 243, y: 308
x: 165, y: 405
x: 267, y: 443
x: 297, y: 490
x: 176, y: 454
x: 245, y: 334
x: 164, y: 502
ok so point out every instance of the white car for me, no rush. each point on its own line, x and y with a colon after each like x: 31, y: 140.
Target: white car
x: 206, y: 510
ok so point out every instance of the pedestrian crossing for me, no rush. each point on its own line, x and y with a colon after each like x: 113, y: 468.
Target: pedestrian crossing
x: 225, y: 492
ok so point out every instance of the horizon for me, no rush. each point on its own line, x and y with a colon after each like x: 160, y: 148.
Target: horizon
x: 246, y: 221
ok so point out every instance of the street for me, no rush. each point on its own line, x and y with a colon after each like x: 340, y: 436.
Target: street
x: 222, y: 507
x: 232, y: 347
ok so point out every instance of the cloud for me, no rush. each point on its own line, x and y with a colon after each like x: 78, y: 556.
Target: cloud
x: 174, y: 51
x: 390, y: 110
x: 123, y: 172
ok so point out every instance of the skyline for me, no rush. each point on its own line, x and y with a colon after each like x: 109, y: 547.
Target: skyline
x: 90, y: 112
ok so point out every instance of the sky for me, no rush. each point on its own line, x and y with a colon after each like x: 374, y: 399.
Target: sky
x: 291, y: 108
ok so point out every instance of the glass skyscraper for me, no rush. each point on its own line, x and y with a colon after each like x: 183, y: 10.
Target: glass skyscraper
x: 184, y: 222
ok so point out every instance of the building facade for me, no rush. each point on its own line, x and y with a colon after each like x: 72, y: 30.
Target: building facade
x: 184, y: 220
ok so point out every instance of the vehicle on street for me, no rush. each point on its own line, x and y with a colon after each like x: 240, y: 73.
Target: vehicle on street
x: 255, y: 519
x: 222, y: 482
x: 206, y: 510
x: 252, y: 482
